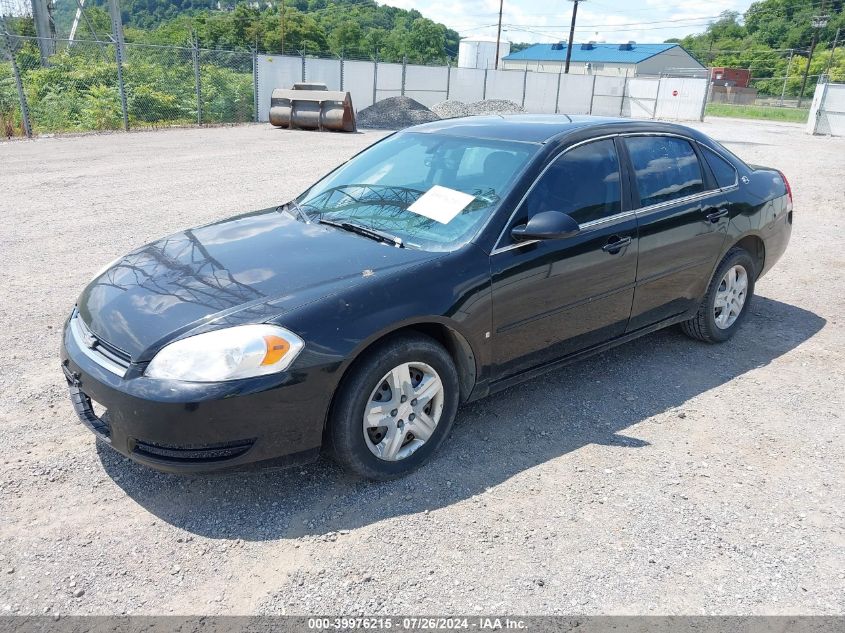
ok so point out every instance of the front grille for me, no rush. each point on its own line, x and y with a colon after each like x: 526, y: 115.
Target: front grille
x: 104, y: 354
x: 195, y: 453
x: 112, y: 353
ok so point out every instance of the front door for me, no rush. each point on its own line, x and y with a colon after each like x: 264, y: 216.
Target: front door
x: 683, y: 222
x: 554, y: 297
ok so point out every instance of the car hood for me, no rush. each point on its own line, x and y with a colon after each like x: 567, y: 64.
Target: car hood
x: 242, y: 270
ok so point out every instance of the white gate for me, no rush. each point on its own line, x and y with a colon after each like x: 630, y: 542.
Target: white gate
x: 681, y: 99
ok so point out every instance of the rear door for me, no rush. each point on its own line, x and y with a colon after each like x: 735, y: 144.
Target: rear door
x: 554, y: 297
x: 683, y: 220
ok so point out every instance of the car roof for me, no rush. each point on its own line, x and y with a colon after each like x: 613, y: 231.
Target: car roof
x: 540, y: 128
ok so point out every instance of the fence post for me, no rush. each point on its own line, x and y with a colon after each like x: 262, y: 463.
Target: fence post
x: 592, y: 94
x: 624, y: 89
x: 341, y: 71
x: 703, y: 102
x: 255, y: 85
x: 197, y: 83
x: 448, y: 78
x: 118, y: 55
x: 303, y: 64
x: 524, y: 86
x: 404, y: 69
x: 117, y: 32
x: 375, y: 76
x: 656, y: 97
x: 484, y: 90
x: 557, y: 94
x: 7, y: 41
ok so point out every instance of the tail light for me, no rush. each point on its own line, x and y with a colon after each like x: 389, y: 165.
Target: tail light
x: 788, y: 188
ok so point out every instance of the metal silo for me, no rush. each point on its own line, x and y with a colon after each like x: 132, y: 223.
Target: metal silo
x: 480, y: 52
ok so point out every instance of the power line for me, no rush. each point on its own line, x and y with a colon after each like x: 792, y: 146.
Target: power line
x: 703, y: 17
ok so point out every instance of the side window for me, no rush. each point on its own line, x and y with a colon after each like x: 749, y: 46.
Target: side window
x: 666, y: 168
x: 583, y: 182
x: 724, y: 172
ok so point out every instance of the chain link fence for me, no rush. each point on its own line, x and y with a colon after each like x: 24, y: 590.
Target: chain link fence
x: 83, y: 86
x: 11, y: 121
x: 98, y: 85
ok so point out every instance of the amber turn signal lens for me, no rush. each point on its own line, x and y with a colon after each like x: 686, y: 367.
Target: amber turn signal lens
x: 276, y: 349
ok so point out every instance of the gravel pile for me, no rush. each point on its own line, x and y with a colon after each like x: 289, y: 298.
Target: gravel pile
x: 395, y: 113
x: 451, y: 109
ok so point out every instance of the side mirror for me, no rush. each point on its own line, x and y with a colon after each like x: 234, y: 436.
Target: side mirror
x: 548, y: 225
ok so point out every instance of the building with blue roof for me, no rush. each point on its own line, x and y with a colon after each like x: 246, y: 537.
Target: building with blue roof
x: 620, y: 60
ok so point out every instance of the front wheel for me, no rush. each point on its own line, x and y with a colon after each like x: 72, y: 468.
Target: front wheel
x: 725, y: 305
x: 395, y: 408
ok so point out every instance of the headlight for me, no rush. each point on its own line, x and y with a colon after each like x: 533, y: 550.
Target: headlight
x: 236, y: 352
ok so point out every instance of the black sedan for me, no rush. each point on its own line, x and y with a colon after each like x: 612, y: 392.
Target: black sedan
x: 444, y: 263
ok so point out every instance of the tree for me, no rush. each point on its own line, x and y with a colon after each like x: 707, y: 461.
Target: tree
x: 347, y: 38
x: 426, y: 42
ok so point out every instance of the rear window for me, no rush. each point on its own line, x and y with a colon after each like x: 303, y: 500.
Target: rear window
x: 724, y: 172
x: 666, y: 168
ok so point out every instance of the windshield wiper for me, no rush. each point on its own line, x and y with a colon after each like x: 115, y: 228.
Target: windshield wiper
x: 299, y: 210
x: 379, y: 236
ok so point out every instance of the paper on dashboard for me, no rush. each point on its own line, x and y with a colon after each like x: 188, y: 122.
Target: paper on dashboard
x: 441, y: 204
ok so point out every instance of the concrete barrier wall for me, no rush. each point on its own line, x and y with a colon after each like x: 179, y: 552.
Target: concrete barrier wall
x: 427, y: 84
x: 358, y: 79
x: 467, y: 84
x: 676, y: 99
x: 274, y: 71
x: 640, y: 99
x: 389, y: 83
x: 326, y: 71
x: 541, y: 92
x: 575, y: 95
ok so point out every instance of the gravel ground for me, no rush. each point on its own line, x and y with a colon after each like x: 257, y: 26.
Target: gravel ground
x: 395, y: 113
x: 664, y: 476
x: 451, y: 109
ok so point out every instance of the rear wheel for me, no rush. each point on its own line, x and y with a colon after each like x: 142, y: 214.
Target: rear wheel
x: 726, y: 303
x: 395, y: 408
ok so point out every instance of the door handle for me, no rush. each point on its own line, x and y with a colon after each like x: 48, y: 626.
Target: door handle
x: 616, y: 244
x: 717, y: 215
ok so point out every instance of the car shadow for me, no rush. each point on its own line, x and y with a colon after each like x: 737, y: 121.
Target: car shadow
x: 590, y: 402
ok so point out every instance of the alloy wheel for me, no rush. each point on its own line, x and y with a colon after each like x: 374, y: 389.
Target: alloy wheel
x: 730, y: 297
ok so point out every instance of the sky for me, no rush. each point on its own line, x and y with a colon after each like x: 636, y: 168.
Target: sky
x: 643, y: 21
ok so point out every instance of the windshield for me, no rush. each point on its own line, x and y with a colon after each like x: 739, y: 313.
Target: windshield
x: 382, y: 188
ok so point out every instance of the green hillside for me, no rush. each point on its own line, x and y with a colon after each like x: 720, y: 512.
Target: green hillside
x: 355, y: 28
x: 761, y: 39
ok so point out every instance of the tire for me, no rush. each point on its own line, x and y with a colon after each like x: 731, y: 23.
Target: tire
x: 376, y: 451
x: 705, y: 325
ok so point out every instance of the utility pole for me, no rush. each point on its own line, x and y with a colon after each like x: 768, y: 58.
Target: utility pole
x: 44, y: 29
x: 119, y: 52
x: 819, y: 22
x: 832, y: 53
x: 283, y: 27
x: 499, y: 34
x: 571, y: 35
x: 786, y: 78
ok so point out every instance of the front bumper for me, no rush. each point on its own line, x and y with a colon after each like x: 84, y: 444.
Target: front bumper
x: 182, y: 427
